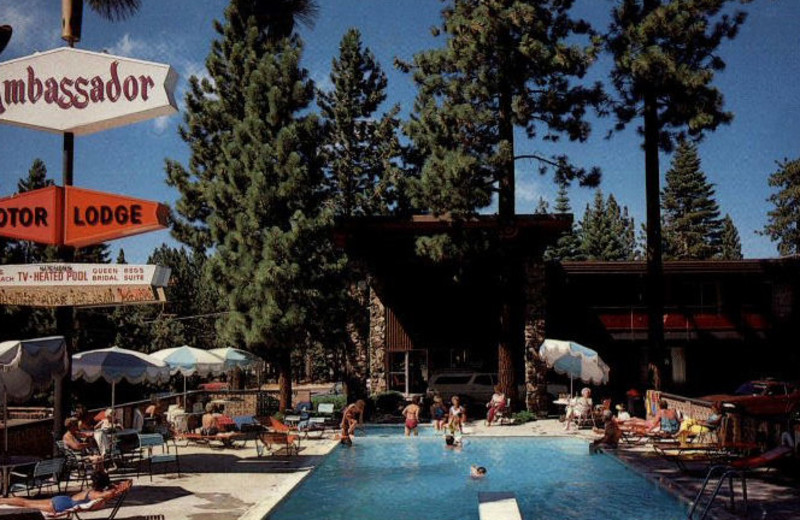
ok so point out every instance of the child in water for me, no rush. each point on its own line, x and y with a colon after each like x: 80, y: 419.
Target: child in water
x: 477, y: 471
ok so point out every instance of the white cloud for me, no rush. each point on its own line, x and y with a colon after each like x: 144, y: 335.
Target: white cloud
x: 35, y: 29
x: 161, y: 123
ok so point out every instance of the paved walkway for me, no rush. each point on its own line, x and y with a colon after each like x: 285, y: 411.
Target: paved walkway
x: 223, y: 484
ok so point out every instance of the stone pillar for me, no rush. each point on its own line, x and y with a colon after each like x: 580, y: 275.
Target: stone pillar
x: 377, y: 344
x: 536, y: 398
x: 356, y: 351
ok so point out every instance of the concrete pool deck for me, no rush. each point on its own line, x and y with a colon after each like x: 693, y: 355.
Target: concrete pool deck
x: 223, y: 484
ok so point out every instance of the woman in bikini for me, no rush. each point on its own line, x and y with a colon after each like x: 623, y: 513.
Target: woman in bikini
x: 457, y: 415
x: 411, y: 413
x: 102, y: 489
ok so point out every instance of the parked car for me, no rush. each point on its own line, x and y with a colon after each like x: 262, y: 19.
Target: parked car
x: 473, y: 386
x: 762, y: 397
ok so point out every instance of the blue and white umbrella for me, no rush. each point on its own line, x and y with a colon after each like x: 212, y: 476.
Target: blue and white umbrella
x: 234, y: 357
x: 190, y: 360
x: 116, y: 364
x: 27, y: 365
x: 574, y: 360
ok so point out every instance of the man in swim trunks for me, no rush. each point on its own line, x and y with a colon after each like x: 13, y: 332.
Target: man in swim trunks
x: 411, y: 413
x: 102, y: 489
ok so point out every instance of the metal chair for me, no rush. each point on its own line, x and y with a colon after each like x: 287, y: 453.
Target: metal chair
x: 46, y: 473
x: 148, y: 441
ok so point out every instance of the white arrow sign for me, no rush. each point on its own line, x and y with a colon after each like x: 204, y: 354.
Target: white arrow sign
x: 72, y: 90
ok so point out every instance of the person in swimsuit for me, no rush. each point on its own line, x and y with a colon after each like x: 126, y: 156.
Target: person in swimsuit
x: 102, y: 489
x: 411, y: 413
x: 438, y: 413
x: 477, y: 471
x: 667, y: 419
x: 457, y: 415
x: 352, y: 416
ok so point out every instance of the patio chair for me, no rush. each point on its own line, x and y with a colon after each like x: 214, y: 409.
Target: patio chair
x: 149, y: 441
x: 78, y: 465
x: 46, y: 473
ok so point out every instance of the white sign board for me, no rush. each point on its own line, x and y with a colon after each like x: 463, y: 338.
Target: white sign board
x: 82, y: 285
x: 72, y: 275
x: 72, y: 90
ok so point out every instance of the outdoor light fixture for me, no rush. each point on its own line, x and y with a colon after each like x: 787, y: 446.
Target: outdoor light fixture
x: 5, y: 35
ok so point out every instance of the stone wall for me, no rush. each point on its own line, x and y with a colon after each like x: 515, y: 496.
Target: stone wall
x: 377, y: 344
x: 536, y: 398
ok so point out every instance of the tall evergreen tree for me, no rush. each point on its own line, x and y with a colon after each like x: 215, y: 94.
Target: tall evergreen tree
x: 731, y: 246
x: 361, y: 150
x: 665, y: 56
x: 253, y: 190
x: 568, y: 246
x: 24, y: 251
x: 506, y: 64
x: 606, y: 231
x: 783, y: 224
x: 363, y: 177
x: 692, y: 224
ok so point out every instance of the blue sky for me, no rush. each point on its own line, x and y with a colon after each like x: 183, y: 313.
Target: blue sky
x: 759, y: 84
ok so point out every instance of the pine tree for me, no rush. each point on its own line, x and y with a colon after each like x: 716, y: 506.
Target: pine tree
x: 692, y: 224
x: 24, y: 251
x: 731, y: 246
x: 784, y: 219
x: 606, y: 232
x: 361, y: 150
x: 542, y: 207
x: 568, y: 246
x: 253, y: 190
x: 505, y: 64
x: 665, y: 56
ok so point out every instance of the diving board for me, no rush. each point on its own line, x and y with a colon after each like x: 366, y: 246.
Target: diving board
x: 498, y: 505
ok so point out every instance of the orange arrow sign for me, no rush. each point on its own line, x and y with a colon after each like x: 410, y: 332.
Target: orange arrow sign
x: 33, y: 215
x: 92, y: 217
x: 88, y: 217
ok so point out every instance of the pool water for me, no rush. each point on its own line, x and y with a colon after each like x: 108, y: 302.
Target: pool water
x: 386, y: 476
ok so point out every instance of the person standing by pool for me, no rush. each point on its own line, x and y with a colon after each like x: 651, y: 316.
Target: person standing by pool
x: 457, y: 415
x: 411, y: 413
x: 438, y: 413
x: 352, y: 416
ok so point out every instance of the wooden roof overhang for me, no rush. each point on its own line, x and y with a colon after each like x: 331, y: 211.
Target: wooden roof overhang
x: 394, y: 238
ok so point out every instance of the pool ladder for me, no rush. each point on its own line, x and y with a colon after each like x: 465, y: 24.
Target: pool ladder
x: 721, y: 473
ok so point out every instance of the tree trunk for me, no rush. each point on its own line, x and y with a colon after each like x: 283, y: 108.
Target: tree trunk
x: 654, y: 352
x: 284, y: 359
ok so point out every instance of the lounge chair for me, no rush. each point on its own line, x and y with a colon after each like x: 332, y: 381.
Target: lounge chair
x: 114, y: 501
x: 275, y: 441
x: 736, y: 469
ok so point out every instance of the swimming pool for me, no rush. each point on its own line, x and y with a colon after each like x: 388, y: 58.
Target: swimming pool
x: 385, y: 476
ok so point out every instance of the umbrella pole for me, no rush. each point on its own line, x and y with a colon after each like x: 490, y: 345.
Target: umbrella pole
x: 113, y: 390
x: 570, y: 386
x: 184, y: 392
x: 5, y: 421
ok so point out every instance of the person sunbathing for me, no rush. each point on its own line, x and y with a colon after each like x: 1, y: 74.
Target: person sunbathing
x: 693, y: 427
x: 102, y: 490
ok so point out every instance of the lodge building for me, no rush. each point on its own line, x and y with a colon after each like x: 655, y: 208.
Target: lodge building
x: 725, y: 321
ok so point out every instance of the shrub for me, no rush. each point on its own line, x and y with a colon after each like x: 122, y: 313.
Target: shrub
x: 388, y: 402
x: 339, y: 401
x: 524, y: 416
